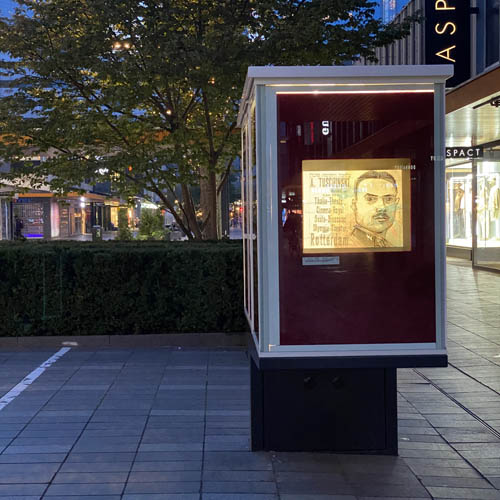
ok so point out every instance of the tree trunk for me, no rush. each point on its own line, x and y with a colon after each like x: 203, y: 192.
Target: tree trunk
x: 182, y: 222
x: 190, y: 213
x: 208, y: 202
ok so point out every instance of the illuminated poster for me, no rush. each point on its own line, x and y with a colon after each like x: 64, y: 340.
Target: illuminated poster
x: 360, y: 205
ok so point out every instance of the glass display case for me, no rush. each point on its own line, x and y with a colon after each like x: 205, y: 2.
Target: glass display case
x: 344, y: 248
x: 344, y: 210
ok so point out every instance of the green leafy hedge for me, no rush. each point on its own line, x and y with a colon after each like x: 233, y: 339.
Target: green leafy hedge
x: 75, y: 288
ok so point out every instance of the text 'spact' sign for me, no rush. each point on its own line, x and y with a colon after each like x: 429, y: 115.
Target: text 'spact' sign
x: 464, y: 152
x: 447, y: 36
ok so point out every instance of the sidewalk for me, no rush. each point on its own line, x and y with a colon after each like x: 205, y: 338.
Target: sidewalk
x: 106, y: 235
x: 171, y: 424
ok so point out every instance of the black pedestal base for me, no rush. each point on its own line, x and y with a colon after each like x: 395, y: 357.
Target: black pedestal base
x: 348, y: 410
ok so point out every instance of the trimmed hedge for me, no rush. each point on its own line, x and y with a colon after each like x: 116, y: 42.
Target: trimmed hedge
x: 78, y: 288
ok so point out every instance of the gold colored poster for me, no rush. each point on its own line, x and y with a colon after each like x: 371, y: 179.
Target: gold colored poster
x: 360, y: 205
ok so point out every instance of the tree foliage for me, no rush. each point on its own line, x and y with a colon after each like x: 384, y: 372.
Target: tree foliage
x: 124, y: 232
x: 151, y: 226
x: 146, y: 94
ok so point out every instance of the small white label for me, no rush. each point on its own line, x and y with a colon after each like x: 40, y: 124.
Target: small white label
x: 321, y: 261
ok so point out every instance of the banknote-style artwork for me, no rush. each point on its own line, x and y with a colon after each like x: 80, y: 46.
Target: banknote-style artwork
x: 356, y: 205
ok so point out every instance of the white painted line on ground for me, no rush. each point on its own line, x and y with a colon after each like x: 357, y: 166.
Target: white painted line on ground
x: 28, y: 380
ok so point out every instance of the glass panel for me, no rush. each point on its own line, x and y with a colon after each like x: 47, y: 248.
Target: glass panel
x: 244, y: 225
x: 359, y: 167
x: 248, y: 221
x: 487, y: 253
x: 5, y: 219
x: 480, y: 37
x: 64, y: 221
x: 255, y: 268
x: 459, y: 206
x: 492, y: 31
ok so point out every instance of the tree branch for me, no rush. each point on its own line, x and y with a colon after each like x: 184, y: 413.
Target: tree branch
x: 225, y: 176
x: 208, y: 124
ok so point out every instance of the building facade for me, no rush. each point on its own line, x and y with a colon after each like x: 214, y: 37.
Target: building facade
x: 42, y: 214
x: 47, y: 215
x: 467, y: 35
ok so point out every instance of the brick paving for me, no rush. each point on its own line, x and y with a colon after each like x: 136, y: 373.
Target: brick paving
x: 166, y: 424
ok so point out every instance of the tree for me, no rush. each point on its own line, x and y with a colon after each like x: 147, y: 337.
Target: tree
x: 151, y: 225
x: 124, y: 232
x: 145, y: 94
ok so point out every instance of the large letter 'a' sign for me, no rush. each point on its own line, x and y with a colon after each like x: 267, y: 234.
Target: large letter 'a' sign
x: 447, y: 36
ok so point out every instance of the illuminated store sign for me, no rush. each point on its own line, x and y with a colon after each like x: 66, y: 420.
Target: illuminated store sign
x: 356, y: 205
x: 467, y: 152
x: 447, y: 36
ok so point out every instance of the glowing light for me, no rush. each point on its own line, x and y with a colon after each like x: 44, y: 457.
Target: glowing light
x: 316, y: 92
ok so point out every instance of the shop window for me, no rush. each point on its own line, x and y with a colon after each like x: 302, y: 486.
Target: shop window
x: 459, y: 206
x: 487, y: 253
x: 32, y: 218
x: 64, y: 221
x: 4, y: 217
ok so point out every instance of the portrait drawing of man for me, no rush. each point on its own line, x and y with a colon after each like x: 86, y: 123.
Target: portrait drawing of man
x: 374, y: 205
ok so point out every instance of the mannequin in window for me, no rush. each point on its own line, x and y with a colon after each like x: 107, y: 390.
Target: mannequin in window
x: 458, y: 211
x: 494, y: 207
x: 481, y: 206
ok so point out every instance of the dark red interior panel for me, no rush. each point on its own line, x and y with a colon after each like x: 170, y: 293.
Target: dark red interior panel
x: 369, y: 297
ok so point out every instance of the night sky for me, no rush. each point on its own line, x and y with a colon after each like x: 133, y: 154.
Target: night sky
x: 7, y: 6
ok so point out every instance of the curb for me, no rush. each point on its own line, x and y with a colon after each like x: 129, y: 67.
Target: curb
x: 189, y: 340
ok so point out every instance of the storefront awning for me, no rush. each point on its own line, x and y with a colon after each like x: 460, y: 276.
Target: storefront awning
x: 473, y: 111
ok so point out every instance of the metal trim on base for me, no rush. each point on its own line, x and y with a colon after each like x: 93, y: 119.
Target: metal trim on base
x: 325, y: 362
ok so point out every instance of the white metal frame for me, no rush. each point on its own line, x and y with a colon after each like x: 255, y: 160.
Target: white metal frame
x: 243, y: 221
x: 439, y: 212
x: 262, y: 86
x: 247, y: 223
x: 248, y: 235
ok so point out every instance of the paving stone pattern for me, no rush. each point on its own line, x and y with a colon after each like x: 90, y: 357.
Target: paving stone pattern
x: 169, y: 424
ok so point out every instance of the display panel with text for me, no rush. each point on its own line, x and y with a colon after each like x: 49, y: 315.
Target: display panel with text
x: 356, y: 205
